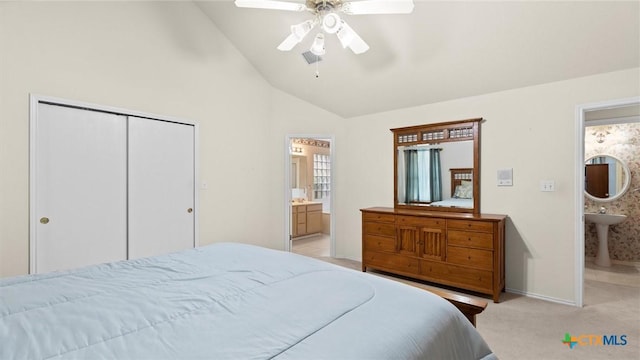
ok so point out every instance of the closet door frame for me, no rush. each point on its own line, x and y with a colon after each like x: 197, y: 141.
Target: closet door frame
x: 36, y: 99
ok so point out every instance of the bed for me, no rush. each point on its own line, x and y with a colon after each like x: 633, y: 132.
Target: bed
x: 461, y: 189
x: 228, y: 301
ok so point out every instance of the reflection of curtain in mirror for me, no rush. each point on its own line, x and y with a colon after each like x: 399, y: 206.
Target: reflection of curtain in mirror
x: 436, y: 175
x: 402, y: 176
x: 423, y: 175
x: 412, y: 176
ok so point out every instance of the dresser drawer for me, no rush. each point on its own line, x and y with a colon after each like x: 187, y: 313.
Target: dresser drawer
x: 484, y: 226
x: 433, y: 223
x: 481, y: 259
x: 397, y: 263
x: 379, y: 243
x: 472, y: 279
x: 383, y: 229
x: 471, y: 239
x: 371, y: 216
x: 314, y: 207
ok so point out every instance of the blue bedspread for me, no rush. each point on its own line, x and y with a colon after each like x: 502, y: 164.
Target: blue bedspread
x: 227, y: 301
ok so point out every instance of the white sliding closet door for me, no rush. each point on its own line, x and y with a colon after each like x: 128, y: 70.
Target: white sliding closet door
x: 161, y: 187
x: 81, y: 187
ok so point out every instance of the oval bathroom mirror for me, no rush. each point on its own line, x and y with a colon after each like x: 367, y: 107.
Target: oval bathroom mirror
x: 607, y: 178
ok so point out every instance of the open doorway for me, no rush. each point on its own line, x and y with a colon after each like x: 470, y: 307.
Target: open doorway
x: 309, y: 195
x: 604, y: 132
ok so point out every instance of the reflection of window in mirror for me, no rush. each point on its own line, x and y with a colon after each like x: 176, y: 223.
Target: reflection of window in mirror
x: 419, y: 174
x: 425, y: 177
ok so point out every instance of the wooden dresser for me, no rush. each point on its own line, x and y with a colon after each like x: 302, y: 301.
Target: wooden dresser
x: 462, y: 250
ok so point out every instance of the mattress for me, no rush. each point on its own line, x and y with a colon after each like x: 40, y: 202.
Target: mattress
x: 228, y: 301
x: 454, y: 202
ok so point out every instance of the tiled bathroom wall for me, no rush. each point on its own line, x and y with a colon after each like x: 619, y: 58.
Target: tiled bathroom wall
x: 623, y: 142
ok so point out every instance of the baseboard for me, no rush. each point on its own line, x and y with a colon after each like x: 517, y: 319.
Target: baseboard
x: 617, y: 262
x: 541, y: 297
x: 306, y: 236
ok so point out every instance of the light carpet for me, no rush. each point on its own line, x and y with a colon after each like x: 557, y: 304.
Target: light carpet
x: 521, y: 327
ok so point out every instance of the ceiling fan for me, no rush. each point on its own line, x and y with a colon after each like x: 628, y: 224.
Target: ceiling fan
x: 326, y: 15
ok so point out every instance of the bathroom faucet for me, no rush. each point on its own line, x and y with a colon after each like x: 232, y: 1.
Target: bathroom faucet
x: 602, y: 210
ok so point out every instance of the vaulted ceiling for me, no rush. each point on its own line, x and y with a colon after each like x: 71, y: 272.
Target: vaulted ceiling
x: 443, y: 50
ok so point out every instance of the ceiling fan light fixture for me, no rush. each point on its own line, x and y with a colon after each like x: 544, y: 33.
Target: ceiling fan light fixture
x: 298, y: 32
x: 317, y: 48
x: 301, y: 30
x: 331, y: 23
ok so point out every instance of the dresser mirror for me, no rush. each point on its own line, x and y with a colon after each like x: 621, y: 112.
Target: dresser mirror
x: 607, y: 178
x: 437, y: 166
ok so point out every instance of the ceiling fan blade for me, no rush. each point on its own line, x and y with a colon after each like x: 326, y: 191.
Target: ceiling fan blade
x: 298, y: 32
x: 349, y: 38
x: 271, y: 4
x: 377, y: 7
x: 289, y: 43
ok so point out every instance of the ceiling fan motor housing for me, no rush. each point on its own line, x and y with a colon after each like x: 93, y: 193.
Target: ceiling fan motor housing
x: 323, y: 5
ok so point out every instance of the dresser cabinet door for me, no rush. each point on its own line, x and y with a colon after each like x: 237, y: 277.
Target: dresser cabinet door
x: 432, y: 244
x: 422, y: 237
x: 407, y: 242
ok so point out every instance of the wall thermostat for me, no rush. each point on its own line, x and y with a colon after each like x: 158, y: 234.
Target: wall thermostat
x: 505, y: 177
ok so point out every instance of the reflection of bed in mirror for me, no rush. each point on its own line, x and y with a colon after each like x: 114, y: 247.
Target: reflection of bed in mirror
x: 461, y: 189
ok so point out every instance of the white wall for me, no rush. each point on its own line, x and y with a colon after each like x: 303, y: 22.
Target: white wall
x: 531, y: 130
x: 158, y: 57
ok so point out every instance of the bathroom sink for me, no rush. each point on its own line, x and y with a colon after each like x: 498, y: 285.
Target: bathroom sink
x: 602, y: 222
x: 605, y: 219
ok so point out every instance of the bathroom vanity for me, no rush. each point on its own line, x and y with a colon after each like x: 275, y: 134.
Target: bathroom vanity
x: 306, y: 218
x: 435, y: 231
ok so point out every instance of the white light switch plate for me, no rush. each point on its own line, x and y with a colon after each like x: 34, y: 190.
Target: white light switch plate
x: 505, y: 177
x: 547, y: 185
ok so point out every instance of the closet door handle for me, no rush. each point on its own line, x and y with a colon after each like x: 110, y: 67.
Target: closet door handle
x: 44, y: 220
x: 189, y: 210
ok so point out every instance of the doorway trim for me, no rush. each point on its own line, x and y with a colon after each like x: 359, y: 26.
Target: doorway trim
x: 287, y: 189
x: 579, y: 178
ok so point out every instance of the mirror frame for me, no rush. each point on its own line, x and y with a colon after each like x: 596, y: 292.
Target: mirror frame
x: 416, y: 135
x: 625, y: 186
